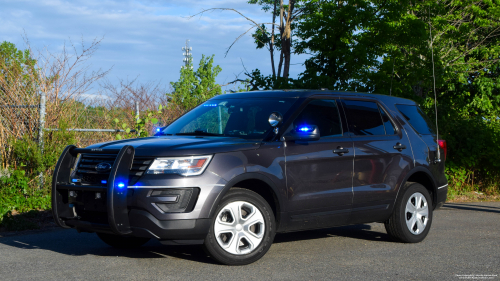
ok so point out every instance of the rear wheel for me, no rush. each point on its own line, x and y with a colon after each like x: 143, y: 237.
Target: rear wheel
x: 242, y: 230
x: 122, y: 242
x: 412, y: 217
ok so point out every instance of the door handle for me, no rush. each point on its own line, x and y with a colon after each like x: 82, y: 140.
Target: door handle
x: 340, y: 150
x: 399, y: 147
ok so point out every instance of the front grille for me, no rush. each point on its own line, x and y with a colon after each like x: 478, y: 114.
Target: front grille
x: 86, y: 169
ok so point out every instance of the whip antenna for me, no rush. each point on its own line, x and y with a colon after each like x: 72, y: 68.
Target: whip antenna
x: 438, y: 158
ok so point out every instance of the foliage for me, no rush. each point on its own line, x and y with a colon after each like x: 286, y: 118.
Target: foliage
x: 345, y: 39
x: 17, y: 67
x: 23, y: 189
x: 16, y: 193
x: 142, y: 125
x: 27, y: 155
x: 197, y: 86
x: 472, y: 162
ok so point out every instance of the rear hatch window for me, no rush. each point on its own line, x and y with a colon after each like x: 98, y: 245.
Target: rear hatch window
x: 417, y: 119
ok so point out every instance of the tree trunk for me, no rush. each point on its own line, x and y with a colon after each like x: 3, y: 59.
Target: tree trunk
x: 281, y: 28
x: 280, y: 64
x: 286, y: 39
x: 271, y: 45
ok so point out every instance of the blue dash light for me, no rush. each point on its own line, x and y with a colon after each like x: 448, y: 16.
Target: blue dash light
x: 121, y: 185
x: 74, y: 180
x: 305, y: 129
x: 158, y: 130
x: 210, y: 105
x: 104, y: 181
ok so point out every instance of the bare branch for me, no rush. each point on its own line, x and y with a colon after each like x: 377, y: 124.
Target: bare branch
x: 239, y: 37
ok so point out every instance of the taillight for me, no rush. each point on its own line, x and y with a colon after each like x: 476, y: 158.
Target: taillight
x: 442, y: 144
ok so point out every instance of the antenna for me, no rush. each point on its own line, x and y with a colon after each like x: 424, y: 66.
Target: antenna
x: 188, y: 56
x: 438, y: 158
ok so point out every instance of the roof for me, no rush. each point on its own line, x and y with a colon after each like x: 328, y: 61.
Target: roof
x: 308, y: 93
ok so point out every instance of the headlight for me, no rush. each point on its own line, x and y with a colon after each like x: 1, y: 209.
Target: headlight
x: 185, y: 166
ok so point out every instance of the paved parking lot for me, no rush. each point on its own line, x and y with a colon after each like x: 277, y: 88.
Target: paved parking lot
x: 464, y: 240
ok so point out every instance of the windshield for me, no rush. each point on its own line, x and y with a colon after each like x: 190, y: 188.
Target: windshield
x: 242, y: 118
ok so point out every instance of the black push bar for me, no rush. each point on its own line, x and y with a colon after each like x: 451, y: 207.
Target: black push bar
x: 117, y: 186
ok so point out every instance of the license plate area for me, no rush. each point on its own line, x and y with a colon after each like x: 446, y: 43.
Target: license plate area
x: 90, y: 206
x: 94, y: 201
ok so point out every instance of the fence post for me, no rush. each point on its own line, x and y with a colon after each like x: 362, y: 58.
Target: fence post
x: 137, y: 118
x: 40, y: 130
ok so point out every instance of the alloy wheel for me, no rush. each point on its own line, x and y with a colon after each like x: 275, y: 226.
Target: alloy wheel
x: 239, y: 228
x: 416, y: 213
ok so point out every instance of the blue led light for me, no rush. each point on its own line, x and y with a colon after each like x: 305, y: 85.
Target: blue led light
x: 74, y: 180
x: 158, y: 129
x: 104, y: 181
x: 305, y: 129
x: 121, y: 185
x: 210, y: 105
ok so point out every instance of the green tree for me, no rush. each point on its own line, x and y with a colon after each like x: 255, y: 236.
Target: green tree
x: 195, y: 87
x: 462, y: 38
x: 345, y: 40
x: 17, y: 70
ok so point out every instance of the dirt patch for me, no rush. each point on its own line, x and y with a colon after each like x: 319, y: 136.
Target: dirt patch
x: 15, y: 223
x: 473, y: 197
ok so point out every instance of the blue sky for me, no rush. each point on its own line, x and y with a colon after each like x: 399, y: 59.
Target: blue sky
x: 141, y: 37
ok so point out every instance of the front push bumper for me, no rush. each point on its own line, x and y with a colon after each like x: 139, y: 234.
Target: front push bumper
x: 115, y: 215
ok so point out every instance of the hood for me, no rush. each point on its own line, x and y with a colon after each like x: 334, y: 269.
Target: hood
x: 164, y: 146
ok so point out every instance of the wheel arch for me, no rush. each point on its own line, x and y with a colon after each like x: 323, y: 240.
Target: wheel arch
x: 424, y: 177
x: 259, y: 184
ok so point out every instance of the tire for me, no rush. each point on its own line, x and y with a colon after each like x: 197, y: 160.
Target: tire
x: 242, y: 229
x: 408, y: 224
x: 122, y: 242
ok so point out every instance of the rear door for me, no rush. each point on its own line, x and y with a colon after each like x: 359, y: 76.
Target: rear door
x: 319, y: 181
x: 382, y: 156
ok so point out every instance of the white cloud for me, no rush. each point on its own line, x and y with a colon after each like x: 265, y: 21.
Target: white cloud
x: 141, y: 37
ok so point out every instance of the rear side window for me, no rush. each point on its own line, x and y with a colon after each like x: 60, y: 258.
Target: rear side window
x: 417, y: 119
x: 365, y: 118
x: 322, y: 113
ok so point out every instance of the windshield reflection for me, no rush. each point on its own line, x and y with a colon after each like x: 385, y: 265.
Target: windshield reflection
x: 242, y: 118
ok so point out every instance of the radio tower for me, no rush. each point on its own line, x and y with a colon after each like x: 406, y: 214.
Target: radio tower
x: 188, y: 57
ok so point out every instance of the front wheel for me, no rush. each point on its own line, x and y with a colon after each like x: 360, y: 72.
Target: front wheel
x: 412, y: 217
x: 122, y: 242
x: 242, y: 230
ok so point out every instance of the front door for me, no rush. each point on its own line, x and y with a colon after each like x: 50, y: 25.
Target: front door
x: 319, y: 180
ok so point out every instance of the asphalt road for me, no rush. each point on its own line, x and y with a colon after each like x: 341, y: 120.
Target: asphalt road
x: 464, y: 240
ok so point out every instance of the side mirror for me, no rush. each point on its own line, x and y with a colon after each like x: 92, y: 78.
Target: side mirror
x: 303, y: 133
x: 275, y: 119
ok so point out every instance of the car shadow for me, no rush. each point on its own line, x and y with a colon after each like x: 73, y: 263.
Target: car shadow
x: 359, y: 231
x: 67, y: 243
x: 70, y: 243
x: 469, y: 207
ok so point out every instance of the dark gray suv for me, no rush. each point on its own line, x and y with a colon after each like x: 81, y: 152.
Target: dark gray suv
x: 239, y: 168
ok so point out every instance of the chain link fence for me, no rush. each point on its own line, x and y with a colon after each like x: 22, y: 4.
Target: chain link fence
x: 19, y: 110
x: 32, y: 117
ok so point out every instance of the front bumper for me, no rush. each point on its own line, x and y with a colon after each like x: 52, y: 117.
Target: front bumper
x: 133, y: 210
x: 143, y: 224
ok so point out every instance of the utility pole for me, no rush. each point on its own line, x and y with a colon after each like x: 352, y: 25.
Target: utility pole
x: 188, y: 57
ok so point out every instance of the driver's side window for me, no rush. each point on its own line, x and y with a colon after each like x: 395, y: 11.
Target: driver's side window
x: 322, y: 113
